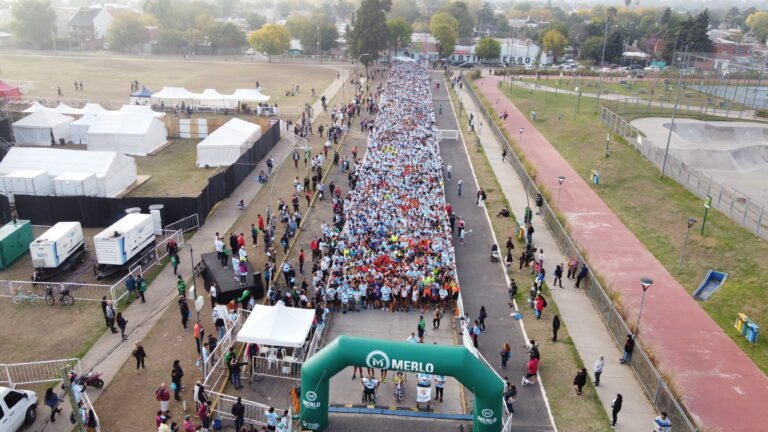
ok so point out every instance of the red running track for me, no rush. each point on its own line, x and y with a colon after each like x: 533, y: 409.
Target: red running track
x: 720, y: 386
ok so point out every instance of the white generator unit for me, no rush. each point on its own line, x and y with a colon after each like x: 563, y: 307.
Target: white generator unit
x: 59, y: 249
x: 27, y: 182
x: 76, y: 184
x: 124, y: 240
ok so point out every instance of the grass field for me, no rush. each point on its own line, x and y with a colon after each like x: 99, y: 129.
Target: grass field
x: 570, y: 413
x: 655, y: 210
x: 173, y: 171
x: 106, y: 77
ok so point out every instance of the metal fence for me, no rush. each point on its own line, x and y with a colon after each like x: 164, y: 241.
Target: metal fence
x: 255, y: 413
x: 12, y: 375
x: 650, y: 379
x: 215, y: 368
x: 728, y: 200
x: 38, y: 230
x: 187, y: 224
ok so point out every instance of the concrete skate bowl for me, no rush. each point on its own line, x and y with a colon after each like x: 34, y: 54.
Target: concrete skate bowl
x: 733, y: 154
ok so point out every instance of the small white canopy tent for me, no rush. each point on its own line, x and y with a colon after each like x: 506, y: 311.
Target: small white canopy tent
x: 94, y: 108
x: 140, y: 109
x: 79, y: 128
x: 172, y: 96
x: 127, y: 133
x: 42, y: 128
x: 248, y: 96
x: 213, y: 99
x: 114, y: 172
x: 224, y: 145
x: 67, y: 110
x: 35, y: 107
x: 277, y: 326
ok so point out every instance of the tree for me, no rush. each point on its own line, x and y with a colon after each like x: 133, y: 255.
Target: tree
x: 488, y: 48
x: 227, y: 7
x: 399, y: 33
x: 406, y: 9
x: 554, y: 41
x: 226, y: 36
x: 343, y: 9
x: 460, y: 11
x: 126, y: 30
x: 297, y: 25
x: 162, y: 10
x: 255, y: 21
x: 758, y: 23
x: 328, y: 35
x: 485, y: 17
x: 369, y: 33
x: 502, y: 23
x: 272, y: 39
x: 592, y: 49
x: 34, y: 22
x: 444, y: 28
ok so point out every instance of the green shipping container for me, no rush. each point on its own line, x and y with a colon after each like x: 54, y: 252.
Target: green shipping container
x: 15, y: 238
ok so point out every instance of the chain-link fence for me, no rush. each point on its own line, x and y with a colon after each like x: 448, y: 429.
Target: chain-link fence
x: 649, y: 377
x: 728, y: 200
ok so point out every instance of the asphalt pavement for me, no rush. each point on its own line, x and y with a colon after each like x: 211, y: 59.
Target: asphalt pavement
x: 482, y: 282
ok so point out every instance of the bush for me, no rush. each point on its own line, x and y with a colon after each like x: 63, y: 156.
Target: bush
x: 475, y: 74
x: 763, y: 113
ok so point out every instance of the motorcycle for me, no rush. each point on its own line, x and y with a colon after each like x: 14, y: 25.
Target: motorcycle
x: 92, y: 379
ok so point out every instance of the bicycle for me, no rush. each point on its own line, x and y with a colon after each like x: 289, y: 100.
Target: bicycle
x: 21, y: 297
x: 63, y: 297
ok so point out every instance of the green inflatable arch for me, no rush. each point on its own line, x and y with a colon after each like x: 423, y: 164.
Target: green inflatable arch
x: 453, y: 361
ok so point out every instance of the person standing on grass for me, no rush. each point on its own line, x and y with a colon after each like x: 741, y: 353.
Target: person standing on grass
x: 130, y: 285
x: 555, y: 327
x: 121, y: 323
x: 176, y: 374
x: 540, y: 305
x: 162, y: 395
x: 558, y: 276
x: 580, y: 380
x: 598, y: 370
x: 142, y: 285
x: 615, y: 408
x: 506, y: 354
x: 139, y: 354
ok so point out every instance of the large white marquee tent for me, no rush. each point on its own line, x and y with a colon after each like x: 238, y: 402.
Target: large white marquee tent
x: 79, y: 128
x: 173, y: 96
x: 42, y: 128
x: 277, y: 326
x: 132, y: 134
x: 224, y: 145
x: 114, y: 172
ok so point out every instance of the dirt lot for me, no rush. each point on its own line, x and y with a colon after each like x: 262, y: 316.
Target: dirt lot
x: 106, y: 77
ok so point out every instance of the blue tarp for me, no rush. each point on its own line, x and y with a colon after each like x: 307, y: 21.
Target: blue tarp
x: 144, y: 92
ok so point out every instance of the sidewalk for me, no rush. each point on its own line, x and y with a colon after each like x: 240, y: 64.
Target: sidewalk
x: 587, y: 331
x: 699, y: 357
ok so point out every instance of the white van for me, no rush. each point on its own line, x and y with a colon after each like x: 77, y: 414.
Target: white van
x: 17, y: 408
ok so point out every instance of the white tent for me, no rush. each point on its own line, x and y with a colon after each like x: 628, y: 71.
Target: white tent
x: 139, y: 109
x: 277, y: 326
x: 66, y: 109
x: 42, y: 128
x: 224, y: 145
x: 35, y: 107
x: 213, y: 99
x: 79, y: 128
x: 171, y: 96
x: 114, y: 172
x: 248, y: 96
x: 127, y: 133
x: 94, y: 108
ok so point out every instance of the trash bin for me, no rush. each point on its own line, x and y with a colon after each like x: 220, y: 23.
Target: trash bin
x: 745, y: 327
x: 740, y: 322
x: 752, y: 332
x: 521, y: 232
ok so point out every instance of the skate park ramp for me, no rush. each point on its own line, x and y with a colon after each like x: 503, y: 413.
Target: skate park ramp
x: 733, y: 153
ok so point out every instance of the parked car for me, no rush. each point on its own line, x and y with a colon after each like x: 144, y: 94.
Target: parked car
x: 17, y: 408
x: 467, y: 65
x: 652, y: 68
x: 635, y: 66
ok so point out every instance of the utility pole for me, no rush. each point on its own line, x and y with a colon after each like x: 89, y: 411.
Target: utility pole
x: 674, y: 112
x: 602, y: 61
x: 318, y: 42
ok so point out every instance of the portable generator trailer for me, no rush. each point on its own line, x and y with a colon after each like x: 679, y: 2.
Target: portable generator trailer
x: 58, y: 250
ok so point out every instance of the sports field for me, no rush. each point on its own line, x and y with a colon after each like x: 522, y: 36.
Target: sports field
x: 106, y: 77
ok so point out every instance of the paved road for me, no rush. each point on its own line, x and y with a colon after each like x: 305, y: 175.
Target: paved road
x: 701, y: 359
x: 483, y: 282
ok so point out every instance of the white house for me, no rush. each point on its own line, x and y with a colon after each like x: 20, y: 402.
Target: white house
x: 89, y: 27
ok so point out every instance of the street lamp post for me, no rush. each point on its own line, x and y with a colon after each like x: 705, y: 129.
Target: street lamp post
x: 578, y: 101
x: 608, y: 153
x: 674, y: 112
x: 645, y: 283
x: 357, y: 75
x: 560, y: 180
x: 194, y: 280
x: 691, y: 221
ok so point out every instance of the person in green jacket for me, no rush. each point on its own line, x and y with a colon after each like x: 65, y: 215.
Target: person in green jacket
x: 181, y: 286
x: 142, y: 285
